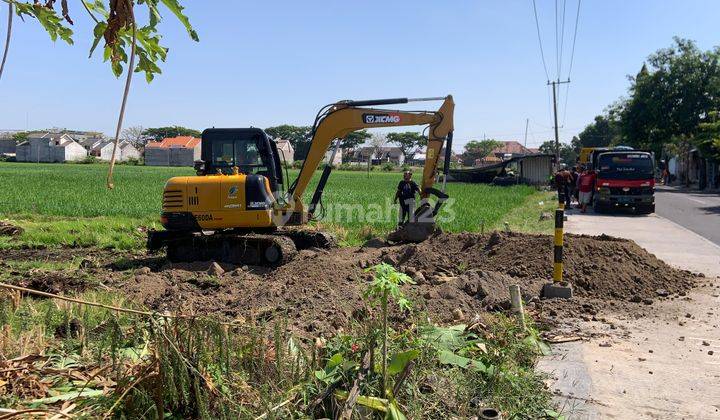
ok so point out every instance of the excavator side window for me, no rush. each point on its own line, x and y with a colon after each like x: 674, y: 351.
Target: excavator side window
x: 243, y: 153
x: 223, y: 155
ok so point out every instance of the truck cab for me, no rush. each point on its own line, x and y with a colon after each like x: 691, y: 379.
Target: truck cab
x: 625, y: 179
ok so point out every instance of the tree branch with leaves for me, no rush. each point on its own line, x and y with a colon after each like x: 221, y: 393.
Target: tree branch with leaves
x: 125, y: 41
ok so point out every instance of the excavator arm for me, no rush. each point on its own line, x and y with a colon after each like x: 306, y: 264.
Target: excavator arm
x: 338, y: 120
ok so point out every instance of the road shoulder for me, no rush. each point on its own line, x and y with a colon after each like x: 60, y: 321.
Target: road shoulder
x: 660, y: 365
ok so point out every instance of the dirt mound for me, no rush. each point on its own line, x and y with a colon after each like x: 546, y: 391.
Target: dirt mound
x: 456, y: 275
x: 53, y: 282
x: 602, y: 266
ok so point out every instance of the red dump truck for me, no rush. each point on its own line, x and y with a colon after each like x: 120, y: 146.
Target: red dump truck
x: 625, y: 179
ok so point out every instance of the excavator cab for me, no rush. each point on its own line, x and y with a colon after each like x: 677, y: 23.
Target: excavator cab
x: 250, y: 150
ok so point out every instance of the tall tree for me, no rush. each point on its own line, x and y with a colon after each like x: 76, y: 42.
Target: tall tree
x: 602, y: 132
x: 159, y: 133
x: 670, y: 95
x: 478, y: 149
x: 567, y: 152
x: 20, y: 136
x: 377, y: 142
x: 355, y: 139
x: 408, y: 141
x: 135, y: 135
x: 708, y: 137
x: 299, y: 137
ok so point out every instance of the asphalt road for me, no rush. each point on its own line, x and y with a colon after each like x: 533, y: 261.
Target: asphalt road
x: 698, y: 212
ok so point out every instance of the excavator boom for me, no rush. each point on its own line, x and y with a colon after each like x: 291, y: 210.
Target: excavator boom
x: 342, y: 118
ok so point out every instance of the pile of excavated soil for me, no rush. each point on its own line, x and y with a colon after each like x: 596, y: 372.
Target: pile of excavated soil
x: 456, y: 275
x: 598, y: 266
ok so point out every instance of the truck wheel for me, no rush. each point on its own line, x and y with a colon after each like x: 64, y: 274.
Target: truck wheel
x: 598, y: 208
x: 645, y: 209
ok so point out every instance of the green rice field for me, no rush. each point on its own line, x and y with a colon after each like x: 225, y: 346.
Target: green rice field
x: 69, y: 204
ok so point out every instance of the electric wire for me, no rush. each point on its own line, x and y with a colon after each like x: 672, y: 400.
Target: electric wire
x: 562, y: 39
x: 572, y: 50
x: 567, y: 93
x: 557, y: 45
x: 572, y: 57
x: 542, y: 53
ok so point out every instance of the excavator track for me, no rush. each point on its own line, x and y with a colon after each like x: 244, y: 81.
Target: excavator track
x: 232, y: 248
x: 305, y: 239
x: 271, y: 249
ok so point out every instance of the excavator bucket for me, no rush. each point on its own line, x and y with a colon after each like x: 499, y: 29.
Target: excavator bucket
x: 413, y: 232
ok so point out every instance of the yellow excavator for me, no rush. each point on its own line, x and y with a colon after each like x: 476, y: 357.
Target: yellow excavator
x: 239, y: 209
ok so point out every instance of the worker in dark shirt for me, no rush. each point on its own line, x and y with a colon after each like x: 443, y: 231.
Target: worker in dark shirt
x: 562, y: 183
x: 406, y: 191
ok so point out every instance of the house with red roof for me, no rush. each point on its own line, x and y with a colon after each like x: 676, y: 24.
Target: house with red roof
x: 173, y: 151
x: 510, y: 149
x: 506, y: 150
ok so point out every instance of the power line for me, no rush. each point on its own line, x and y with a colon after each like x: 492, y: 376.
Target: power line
x: 542, y: 53
x: 557, y: 52
x: 562, y: 38
x: 572, y: 57
x: 572, y: 53
x: 567, y: 93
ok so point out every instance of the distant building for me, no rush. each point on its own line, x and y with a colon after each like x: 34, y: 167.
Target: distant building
x: 694, y: 169
x: 50, y: 147
x: 337, y: 160
x: 173, y: 151
x: 7, y: 146
x: 510, y: 149
x: 386, y: 154
x: 507, y: 150
x: 418, y: 157
x: 103, y: 150
x: 487, y: 160
x: 286, y: 150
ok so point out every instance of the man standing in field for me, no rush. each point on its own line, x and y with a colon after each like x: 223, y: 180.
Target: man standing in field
x: 406, y: 190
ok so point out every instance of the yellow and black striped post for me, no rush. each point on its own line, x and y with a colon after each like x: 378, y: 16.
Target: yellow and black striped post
x: 561, y: 199
x: 558, y: 246
x: 559, y: 288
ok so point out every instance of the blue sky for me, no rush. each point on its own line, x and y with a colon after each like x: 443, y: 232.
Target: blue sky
x: 274, y: 62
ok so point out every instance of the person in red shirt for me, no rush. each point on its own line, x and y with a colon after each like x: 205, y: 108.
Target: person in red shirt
x: 585, y: 185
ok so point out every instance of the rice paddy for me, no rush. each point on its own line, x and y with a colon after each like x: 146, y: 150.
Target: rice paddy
x: 55, y: 202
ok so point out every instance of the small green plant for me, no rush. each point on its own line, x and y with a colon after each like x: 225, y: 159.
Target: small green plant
x: 132, y: 161
x: 89, y: 159
x: 384, y: 287
x: 388, y: 167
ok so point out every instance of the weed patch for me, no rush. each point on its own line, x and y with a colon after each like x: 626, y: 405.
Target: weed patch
x: 104, y: 362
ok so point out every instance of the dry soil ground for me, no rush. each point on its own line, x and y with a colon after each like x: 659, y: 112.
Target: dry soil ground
x: 456, y: 275
x: 662, y: 364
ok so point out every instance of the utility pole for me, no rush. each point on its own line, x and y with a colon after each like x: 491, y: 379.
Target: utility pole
x: 557, y: 135
x: 527, y: 121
